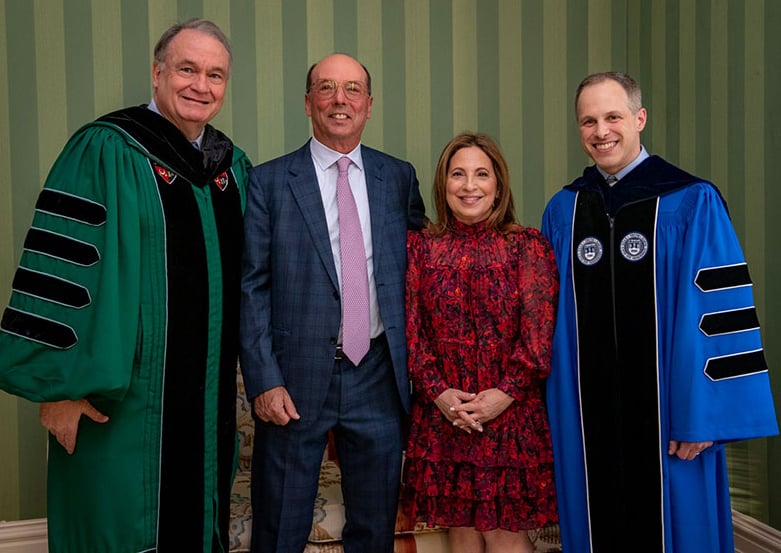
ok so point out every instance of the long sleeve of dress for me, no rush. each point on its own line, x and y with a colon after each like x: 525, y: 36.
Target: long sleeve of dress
x: 426, y: 380
x: 538, y: 285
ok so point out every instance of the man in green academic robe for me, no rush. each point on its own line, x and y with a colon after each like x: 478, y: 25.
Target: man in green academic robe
x: 123, y: 319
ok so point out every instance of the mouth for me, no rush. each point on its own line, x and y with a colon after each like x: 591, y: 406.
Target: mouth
x: 339, y: 116
x: 605, y: 146
x: 195, y: 100
x: 470, y: 200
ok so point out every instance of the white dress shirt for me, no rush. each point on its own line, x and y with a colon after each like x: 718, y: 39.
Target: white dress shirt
x: 324, y: 159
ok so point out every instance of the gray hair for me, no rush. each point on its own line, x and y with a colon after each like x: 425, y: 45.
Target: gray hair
x: 202, y: 26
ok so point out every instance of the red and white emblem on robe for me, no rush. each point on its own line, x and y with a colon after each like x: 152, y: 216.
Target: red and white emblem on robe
x: 222, y: 181
x: 165, y: 174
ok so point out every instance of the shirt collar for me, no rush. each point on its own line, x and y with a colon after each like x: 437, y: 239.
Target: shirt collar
x: 641, y: 157
x: 324, y: 156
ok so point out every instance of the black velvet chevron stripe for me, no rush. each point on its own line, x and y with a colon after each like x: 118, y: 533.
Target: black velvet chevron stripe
x: 38, y: 329
x: 720, y: 278
x: 61, y: 247
x: 740, y: 364
x: 50, y: 288
x: 714, y: 324
x: 72, y: 207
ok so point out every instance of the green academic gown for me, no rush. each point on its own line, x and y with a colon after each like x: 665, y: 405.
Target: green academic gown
x: 127, y: 295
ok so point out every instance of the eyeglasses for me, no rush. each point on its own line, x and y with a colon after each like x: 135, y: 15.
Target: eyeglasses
x: 326, y: 88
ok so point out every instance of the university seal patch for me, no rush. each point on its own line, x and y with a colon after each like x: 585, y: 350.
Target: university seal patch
x: 634, y: 246
x: 589, y: 251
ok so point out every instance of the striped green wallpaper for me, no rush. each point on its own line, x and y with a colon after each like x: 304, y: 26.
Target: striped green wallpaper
x: 710, y: 70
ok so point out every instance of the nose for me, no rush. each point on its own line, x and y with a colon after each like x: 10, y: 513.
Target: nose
x: 339, y: 96
x: 200, y: 82
x: 602, y: 129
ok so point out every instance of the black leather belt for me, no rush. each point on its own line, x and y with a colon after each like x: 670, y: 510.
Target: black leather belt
x: 339, y: 353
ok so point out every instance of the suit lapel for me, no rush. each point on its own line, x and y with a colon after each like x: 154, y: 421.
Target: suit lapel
x: 303, y: 185
x: 376, y: 190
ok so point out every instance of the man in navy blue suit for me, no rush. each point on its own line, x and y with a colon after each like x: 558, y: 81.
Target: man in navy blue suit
x: 298, y: 376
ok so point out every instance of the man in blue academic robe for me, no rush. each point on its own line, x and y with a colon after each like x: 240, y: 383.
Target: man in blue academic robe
x: 657, y: 359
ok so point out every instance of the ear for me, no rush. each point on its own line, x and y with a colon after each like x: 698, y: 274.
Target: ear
x: 641, y: 117
x: 156, y: 69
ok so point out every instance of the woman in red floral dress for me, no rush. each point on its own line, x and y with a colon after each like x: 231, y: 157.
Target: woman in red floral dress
x: 481, y: 303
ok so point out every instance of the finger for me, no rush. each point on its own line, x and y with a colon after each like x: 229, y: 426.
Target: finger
x: 461, y: 426
x: 672, y: 447
x: 67, y: 441
x: 93, y: 413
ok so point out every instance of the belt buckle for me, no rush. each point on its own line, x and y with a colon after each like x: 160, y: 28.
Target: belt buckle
x: 339, y: 353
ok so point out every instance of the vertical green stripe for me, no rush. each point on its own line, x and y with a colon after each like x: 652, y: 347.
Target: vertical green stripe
x: 79, y: 73
x: 618, y: 51
x: 295, y: 65
x: 8, y: 257
x: 215, y: 10
x: 319, y: 28
x: 655, y: 88
x: 271, y: 92
x: 702, y: 83
x: 107, y: 61
x: 370, y: 53
x: 670, y: 143
x: 687, y: 155
x: 418, y: 88
x: 51, y: 103
x: 32, y: 461
x: 136, y: 53
x: 9, y: 456
x: 441, y: 29
x: 719, y: 80
x: 465, y: 66
x: 488, y: 67
x: 345, y: 27
x: 533, y: 93
x: 393, y: 78
x: 554, y: 110
x: 734, y: 187
x: 600, y: 35
x: 243, y: 83
x: 754, y: 87
x: 23, y: 117
x: 577, y: 70
x: 509, y: 92
x: 185, y: 9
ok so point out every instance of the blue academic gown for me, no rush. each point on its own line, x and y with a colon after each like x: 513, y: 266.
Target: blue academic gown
x: 657, y: 339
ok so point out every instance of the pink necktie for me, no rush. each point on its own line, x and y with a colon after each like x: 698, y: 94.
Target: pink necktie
x: 355, y: 279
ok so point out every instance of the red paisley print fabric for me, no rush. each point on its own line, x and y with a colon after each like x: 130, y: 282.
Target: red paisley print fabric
x: 481, y: 311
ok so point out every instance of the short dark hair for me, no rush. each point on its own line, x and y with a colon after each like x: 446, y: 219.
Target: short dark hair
x: 633, y: 93
x: 202, y: 26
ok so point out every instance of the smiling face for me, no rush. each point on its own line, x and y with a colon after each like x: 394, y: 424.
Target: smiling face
x: 609, y: 131
x: 190, y: 84
x: 471, y: 185
x: 338, y: 120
